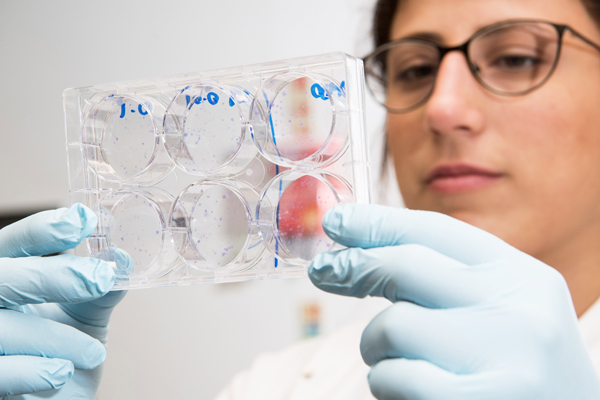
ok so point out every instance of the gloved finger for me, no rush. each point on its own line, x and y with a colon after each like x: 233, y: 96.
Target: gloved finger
x: 406, y: 330
x: 123, y: 263
x: 367, y: 226
x: 27, y: 374
x: 97, y: 312
x: 23, y: 334
x: 395, y: 379
x: 62, y: 279
x: 402, y: 273
x: 47, y: 232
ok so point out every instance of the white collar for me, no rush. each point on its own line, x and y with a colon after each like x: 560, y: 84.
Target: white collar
x: 589, y: 324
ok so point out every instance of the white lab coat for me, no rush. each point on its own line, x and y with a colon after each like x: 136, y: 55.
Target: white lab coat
x: 331, y: 368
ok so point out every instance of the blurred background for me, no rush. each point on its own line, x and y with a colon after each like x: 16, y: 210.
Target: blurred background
x: 178, y: 342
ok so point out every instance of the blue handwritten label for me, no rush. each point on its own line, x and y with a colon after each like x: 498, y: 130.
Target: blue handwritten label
x: 319, y: 91
x: 124, y: 110
x: 213, y: 98
x: 195, y: 100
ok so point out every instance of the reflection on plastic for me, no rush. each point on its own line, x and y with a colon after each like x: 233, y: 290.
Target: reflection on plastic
x: 291, y: 209
x: 298, y: 122
x: 301, y: 210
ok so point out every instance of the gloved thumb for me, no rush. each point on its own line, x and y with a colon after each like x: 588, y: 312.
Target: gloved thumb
x: 368, y: 226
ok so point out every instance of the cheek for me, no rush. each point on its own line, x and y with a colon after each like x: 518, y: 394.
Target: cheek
x: 411, y: 148
x: 557, y: 147
x: 554, y: 162
x: 549, y: 143
x: 557, y: 161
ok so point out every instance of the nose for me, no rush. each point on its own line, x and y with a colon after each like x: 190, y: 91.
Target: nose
x: 455, y: 108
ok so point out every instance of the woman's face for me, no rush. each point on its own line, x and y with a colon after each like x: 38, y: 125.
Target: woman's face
x: 525, y: 168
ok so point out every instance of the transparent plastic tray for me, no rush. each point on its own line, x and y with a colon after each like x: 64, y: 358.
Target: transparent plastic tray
x: 218, y: 176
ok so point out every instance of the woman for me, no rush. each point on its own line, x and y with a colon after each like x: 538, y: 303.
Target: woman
x: 501, y: 133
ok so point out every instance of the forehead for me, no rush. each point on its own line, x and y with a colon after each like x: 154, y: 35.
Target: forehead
x: 456, y: 20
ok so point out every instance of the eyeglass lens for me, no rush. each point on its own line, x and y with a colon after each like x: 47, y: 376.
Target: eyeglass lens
x: 510, y: 59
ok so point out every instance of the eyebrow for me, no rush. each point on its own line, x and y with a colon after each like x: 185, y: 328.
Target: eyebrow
x: 429, y: 36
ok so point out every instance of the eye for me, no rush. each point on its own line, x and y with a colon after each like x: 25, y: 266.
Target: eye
x: 513, y: 61
x: 415, y: 74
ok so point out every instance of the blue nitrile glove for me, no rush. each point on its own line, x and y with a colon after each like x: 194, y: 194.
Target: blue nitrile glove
x: 54, y: 311
x: 473, y: 318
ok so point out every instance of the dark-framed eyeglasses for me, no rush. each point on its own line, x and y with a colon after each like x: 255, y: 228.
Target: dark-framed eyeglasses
x: 509, y: 58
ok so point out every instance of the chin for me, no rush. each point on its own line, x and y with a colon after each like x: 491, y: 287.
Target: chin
x: 488, y: 213
x: 498, y: 224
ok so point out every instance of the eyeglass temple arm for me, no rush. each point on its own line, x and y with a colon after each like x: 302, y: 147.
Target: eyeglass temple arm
x: 580, y: 36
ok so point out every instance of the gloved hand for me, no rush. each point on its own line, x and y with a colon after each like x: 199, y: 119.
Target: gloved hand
x: 54, y: 311
x: 473, y: 318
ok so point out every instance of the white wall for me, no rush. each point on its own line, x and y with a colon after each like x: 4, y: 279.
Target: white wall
x: 176, y: 343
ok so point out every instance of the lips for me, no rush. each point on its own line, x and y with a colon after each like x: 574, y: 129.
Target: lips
x: 452, y: 178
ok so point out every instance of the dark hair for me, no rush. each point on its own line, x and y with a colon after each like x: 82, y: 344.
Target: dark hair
x: 593, y: 8
x: 382, y: 25
x: 386, y: 9
x: 382, y: 20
